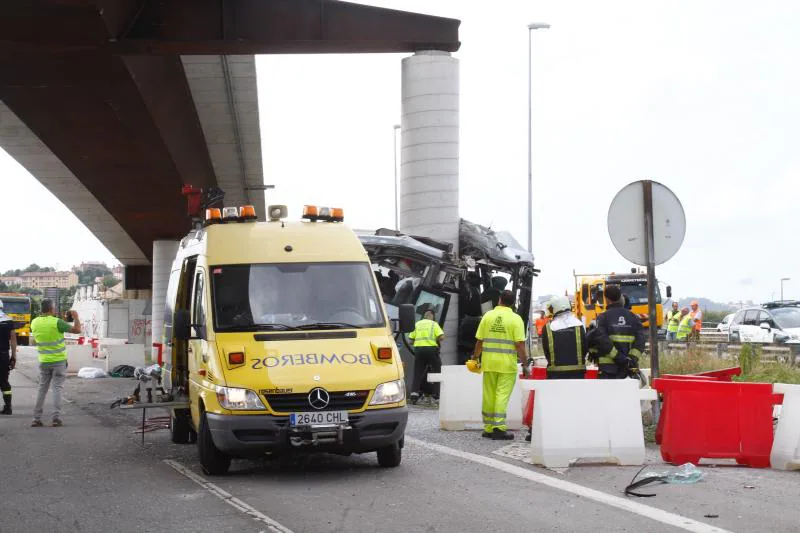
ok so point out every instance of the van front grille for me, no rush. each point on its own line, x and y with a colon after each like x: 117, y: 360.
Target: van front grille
x: 339, y: 401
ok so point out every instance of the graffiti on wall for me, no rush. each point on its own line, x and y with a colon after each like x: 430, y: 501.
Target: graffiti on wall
x: 140, y: 330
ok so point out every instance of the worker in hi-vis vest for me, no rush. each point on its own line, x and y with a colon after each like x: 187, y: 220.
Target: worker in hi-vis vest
x: 48, y: 330
x: 500, y: 346
x: 673, y: 318
x: 685, y: 325
x: 427, y: 337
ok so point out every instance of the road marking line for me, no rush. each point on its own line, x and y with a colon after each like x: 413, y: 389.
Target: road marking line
x: 228, y: 498
x: 646, y: 511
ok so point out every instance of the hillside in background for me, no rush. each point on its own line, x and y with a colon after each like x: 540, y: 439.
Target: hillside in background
x: 708, y: 305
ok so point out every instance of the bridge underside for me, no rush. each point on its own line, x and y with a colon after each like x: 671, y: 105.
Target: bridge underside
x: 114, y: 104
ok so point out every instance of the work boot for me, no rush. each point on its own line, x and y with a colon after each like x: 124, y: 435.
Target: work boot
x: 6, y: 409
x: 486, y: 435
x: 499, y: 434
x: 57, y: 423
x: 36, y: 424
x: 414, y: 397
x: 528, y: 437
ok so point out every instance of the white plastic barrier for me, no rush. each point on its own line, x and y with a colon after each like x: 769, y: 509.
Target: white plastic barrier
x: 79, y: 356
x: 112, y: 341
x: 595, y: 419
x: 461, y: 398
x: 123, y: 354
x: 786, y: 446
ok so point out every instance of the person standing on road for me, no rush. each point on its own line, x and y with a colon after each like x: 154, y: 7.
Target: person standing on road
x: 697, y: 321
x: 48, y: 331
x: 619, y: 339
x: 427, y: 337
x: 8, y: 357
x: 564, y: 342
x: 500, y: 345
x: 685, y: 325
x: 673, y: 319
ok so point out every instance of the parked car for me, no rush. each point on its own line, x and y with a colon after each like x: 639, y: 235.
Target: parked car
x: 725, y: 325
x: 773, y: 322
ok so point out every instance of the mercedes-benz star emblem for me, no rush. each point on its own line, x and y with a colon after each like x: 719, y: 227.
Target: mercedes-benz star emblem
x: 319, y: 398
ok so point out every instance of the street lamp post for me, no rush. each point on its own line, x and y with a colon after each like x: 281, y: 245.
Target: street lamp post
x: 782, y: 280
x: 532, y: 26
x: 396, y: 202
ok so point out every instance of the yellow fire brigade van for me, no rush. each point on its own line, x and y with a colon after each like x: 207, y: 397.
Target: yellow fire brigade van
x: 276, y: 333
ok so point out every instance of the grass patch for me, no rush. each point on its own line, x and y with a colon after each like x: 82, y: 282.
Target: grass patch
x: 754, y: 370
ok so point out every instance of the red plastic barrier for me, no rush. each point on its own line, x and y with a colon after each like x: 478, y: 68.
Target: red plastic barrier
x: 160, y: 349
x: 716, y: 420
x: 527, y: 413
x: 726, y: 374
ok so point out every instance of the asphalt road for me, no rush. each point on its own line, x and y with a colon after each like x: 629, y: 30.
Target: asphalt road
x: 92, y: 475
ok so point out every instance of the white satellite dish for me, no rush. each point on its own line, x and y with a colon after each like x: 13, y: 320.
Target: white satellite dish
x: 626, y: 223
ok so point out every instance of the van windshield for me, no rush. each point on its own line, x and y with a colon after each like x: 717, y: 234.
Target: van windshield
x: 295, y: 296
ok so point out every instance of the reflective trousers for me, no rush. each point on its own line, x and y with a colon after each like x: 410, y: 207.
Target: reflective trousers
x: 497, y: 388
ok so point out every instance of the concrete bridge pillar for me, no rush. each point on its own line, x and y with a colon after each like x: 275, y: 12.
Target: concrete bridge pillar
x: 429, y: 159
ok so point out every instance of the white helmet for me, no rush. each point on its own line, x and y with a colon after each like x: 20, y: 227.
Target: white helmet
x: 559, y: 304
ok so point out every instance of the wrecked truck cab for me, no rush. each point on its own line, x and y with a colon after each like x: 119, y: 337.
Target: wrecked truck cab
x: 428, y: 273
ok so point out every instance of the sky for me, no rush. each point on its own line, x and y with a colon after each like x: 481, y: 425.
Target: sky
x: 703, y: 97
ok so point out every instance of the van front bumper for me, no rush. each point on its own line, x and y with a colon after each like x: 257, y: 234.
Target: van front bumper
x: 253, y: 435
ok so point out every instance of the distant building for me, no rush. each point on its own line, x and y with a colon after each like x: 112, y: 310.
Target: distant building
x: 119, y: 272
x: 11, y: 280
x: 40, y: 280
x: 93, y: 265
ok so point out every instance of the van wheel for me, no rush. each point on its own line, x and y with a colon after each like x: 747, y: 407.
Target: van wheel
x: 390, y: 456
x: 180, y: 427
x: 213, y: 461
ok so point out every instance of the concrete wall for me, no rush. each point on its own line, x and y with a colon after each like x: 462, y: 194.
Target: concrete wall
x: 115, y: 318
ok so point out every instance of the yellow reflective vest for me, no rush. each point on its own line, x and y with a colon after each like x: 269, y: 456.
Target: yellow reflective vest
x: 49, y: 340
x: 673, y: 319
x: 500, y: 330
x: 685, y: 327
x: 425, y: 333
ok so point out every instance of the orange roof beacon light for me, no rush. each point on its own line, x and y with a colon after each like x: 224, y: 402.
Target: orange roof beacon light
x: 247, y: 212
x: 213, y: 215
x: 311, y: 212
x: 230, y: 214
x: 337, y: 214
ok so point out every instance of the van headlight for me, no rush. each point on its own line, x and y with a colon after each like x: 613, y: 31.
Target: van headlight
x: 390, y: 392
x: 233, y: 398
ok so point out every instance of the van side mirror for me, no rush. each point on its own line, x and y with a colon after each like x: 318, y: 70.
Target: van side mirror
x: 181, y: 325
x: 407, y: 318
x: 669, y: 291
x: 765, y: 326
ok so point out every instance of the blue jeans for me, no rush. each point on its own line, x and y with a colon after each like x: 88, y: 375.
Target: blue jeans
x: 672, y: 336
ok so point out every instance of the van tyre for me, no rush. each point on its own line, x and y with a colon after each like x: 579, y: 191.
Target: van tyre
x: 180, y: 427
x: 390, y: 456
x: 213, y: 461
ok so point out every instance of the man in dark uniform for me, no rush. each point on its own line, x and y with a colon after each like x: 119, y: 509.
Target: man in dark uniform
x: 8, y: 357
x: 618, y: 340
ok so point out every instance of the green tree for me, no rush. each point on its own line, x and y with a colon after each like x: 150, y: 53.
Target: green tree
x: 110, y: 281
